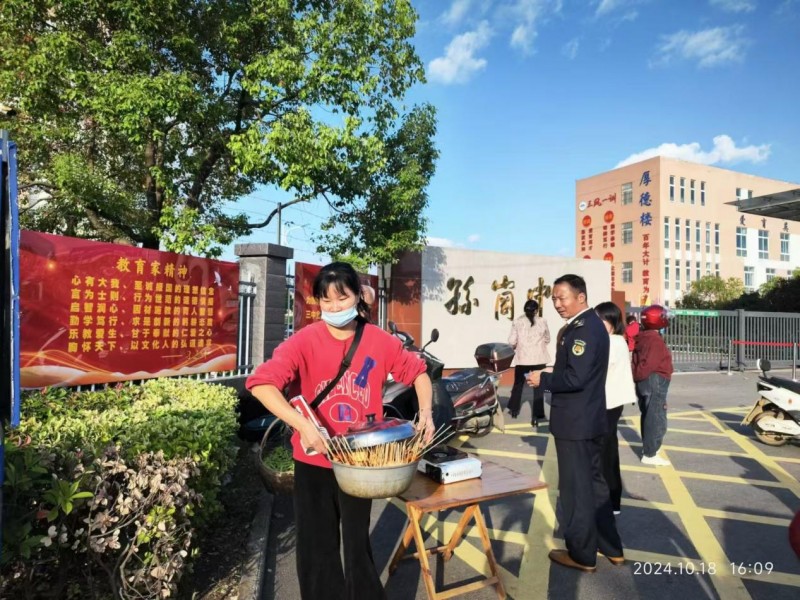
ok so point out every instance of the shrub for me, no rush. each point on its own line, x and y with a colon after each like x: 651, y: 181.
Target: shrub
x: 104, y: 489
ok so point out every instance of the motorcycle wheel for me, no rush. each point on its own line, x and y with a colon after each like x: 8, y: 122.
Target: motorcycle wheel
x: 770, y: 439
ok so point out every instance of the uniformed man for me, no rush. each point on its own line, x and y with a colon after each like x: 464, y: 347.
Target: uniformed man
x: 578, y: 422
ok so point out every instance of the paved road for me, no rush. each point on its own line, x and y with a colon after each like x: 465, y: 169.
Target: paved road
x: 727, y: 498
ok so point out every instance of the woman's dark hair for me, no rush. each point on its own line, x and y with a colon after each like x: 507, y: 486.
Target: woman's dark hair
x: 611, y: 314
x: 530, y: 308
x: 630, y: 319
x: 343, y: 277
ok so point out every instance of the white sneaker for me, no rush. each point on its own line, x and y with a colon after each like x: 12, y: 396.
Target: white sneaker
x: 655, y: 460
x: 617, y: 512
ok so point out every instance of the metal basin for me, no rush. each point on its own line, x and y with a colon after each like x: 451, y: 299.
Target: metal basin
x: 374, y: 482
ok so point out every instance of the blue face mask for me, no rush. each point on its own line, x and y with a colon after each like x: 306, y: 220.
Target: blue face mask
x: 341, y: 318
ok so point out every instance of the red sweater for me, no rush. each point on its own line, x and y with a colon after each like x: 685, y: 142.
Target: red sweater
x: 651, y: 355
x: 311, y: 358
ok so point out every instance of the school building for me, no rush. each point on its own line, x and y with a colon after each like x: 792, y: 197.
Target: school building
x: 663, y: 223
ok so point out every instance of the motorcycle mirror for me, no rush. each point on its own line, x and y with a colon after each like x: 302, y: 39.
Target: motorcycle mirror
x: 435, y: 335
x: 393, y: 327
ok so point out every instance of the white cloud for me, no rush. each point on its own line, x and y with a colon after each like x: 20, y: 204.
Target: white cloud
x: 570, y: 49
x: 526, y: 14
x: 724, y: 151
x: 443, y: 242
x: 456, y: 12
x: 459, y: 62
x: 607, y: 6
x: 474, y: 238
x: 709, y: 47
x: 735, y: 5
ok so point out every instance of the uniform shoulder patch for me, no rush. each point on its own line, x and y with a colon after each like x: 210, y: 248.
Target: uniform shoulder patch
x: 578, y: 347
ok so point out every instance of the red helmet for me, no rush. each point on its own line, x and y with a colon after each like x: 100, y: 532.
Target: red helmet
x: 654, y: 317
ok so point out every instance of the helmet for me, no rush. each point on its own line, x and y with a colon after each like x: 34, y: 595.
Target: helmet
x: 655, y: 317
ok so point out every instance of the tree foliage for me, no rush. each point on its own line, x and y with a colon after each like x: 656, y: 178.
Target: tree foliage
x: 140, y: 119
x: 711, y: 291
x: 389, y: 218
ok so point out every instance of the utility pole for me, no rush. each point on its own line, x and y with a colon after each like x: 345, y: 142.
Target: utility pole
x: 279, y: 222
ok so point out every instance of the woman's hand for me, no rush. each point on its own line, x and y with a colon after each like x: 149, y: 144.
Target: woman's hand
x: 311, y: 439
x: 425, y: 424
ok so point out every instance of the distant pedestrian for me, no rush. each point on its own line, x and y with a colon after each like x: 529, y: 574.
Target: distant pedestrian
x: 631, y: 331
x: 619, y: 392
x: 652, y: 372
x: 529, y: 336
x: 578, y: 423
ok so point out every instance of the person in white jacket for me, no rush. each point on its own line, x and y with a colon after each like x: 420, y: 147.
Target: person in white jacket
x: 529, y: 336
x: 620, y: 391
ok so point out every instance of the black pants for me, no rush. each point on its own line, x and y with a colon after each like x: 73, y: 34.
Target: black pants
x: 515, y: 401
x: 611, y: 458
x: 319, y: 508
x: 588, y: 522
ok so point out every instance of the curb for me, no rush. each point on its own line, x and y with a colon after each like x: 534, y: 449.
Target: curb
x: 251, y: 582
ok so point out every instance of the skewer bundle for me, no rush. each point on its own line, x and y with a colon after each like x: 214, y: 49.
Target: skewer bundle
x: 390, y: 454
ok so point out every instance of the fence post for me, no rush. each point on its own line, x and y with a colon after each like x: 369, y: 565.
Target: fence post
x: 794, y: 361
x: 741, y: 317
x: 730, y: 351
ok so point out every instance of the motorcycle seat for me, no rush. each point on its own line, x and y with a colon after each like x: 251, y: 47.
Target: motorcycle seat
x: 793, y: 386
x: 460, y: 382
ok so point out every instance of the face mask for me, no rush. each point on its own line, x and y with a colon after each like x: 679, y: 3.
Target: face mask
x: 341, y: 318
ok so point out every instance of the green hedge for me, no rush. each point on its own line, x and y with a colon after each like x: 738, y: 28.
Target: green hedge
x: 104, y: 489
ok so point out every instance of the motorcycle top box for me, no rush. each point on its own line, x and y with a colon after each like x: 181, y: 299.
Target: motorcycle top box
x: 494, y: 357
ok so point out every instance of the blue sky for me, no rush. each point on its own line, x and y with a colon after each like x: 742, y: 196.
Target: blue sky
x: 535, y: 94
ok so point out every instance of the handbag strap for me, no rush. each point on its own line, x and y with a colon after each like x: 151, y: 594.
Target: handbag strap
x: 344, y: 366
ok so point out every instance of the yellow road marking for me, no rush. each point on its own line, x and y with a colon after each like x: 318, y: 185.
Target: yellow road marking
x: 702, y: 537
x: 531, y: 455
x: 673, y: 430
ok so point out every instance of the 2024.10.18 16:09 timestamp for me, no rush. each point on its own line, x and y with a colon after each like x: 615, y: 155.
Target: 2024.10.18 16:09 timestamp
x: 737, y: 569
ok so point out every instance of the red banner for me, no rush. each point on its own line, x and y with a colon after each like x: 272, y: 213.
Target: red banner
x: 96, y: 313
x: 306, y: 307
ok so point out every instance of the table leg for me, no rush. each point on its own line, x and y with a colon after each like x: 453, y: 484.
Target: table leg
x: 456, y: 537
x: 487, y: 547
x: 408, y: 535
x: 414, y: 517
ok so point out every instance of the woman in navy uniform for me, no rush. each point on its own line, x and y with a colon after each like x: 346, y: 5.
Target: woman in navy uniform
x: 578, y: 424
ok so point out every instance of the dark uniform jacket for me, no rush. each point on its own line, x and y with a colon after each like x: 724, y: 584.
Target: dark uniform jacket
x: 578, y: 380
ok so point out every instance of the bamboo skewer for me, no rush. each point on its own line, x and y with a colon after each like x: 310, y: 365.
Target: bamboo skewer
x: 388, y: 454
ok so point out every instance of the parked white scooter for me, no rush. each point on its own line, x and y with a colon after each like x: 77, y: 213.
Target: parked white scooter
x: 775, y: 418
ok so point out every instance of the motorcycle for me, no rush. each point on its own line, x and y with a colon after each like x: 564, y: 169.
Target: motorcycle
x: 775, y: 418
x: 467, y: 400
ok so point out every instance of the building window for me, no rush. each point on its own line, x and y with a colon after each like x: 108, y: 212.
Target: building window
x: 666, y: 233
x: 784, y: 246
x: 702, y: 193
x: 708, y: 238
x: 716, y: 238
x: 677, y: 275
x: 627, y: 232
x: 697, y: 236
x: 716, y: 269
x: 697, y: 270
x: 627, y: 272
x: 688, y: 235
x: 708, y: 268
x: 688, y: 274
x: 677, y: 234
x: 672, y: 188
x: 691, y: 191
x: 741, y: 241
x: 683, y: 189
x: 627, y: 193
x: 743, y: 193
x: 749, y: 278
x: 770, y: 274
x: 666, y: 273
x: 763, y: 243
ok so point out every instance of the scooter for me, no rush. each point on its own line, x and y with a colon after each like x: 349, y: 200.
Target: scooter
x: 467, y: 400
x: 775, y: 418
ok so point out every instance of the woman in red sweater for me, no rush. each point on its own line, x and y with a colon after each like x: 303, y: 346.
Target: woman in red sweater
x: 307, y: 362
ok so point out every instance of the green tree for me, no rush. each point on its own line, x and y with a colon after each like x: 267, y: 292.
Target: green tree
x: 389, y: 219
x: 140, y: 119
x: 711, y: 291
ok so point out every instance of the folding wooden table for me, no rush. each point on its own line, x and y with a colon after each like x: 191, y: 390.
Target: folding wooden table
x: 427, y: 496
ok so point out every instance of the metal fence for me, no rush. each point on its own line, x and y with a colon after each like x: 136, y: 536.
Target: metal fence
x: 244, y: 347
x: 710, y: 339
